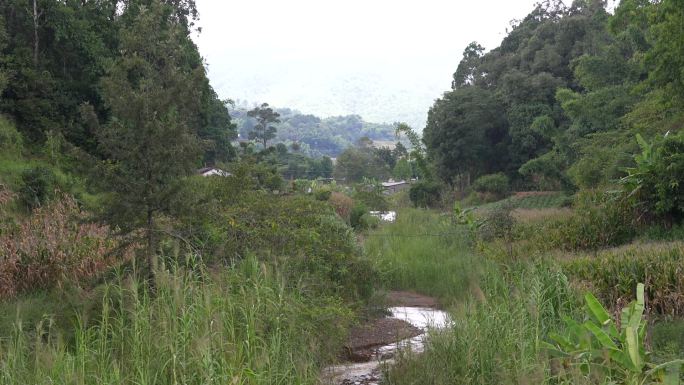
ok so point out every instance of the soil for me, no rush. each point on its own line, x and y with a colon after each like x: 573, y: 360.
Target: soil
x: 378, y: 332
x: 410, y: 299
x: 366, y: 342
x: 385, y: 331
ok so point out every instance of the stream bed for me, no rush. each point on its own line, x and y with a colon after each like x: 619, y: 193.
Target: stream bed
x: 369, y: 372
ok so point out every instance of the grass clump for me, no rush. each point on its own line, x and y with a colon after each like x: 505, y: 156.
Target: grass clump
x: 423, y: 252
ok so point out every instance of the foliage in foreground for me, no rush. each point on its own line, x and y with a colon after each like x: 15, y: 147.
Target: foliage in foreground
x: 496, y: 334
x: 247, y: 325
x: 615, y: 352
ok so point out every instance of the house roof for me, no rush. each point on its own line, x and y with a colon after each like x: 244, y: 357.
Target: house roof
x: 208, y: 171
x: 392, y: 184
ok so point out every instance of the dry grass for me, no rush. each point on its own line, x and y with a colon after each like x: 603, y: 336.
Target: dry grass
x: 538, y: 215
x: 55, y: 245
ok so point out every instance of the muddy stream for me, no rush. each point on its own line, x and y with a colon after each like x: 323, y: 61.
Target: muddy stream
x: 418, y: 321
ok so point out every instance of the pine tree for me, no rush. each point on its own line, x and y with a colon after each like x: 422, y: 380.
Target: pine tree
x: 150, y: 140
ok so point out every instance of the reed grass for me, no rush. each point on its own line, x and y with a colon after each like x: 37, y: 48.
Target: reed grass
x: 241, y: 326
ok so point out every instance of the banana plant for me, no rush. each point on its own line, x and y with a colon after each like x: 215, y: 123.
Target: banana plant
x: 598, y: 344
x: 466, y: 217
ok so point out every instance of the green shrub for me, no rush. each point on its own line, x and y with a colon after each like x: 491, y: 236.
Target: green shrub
x: 498, y: 223
x: 497, y: 184
x: 37, y: 186
x: 655, y: 186
x: 11, y: 141
x: 357, y: 212
x: 322, y: 195
x: 425, y: 194
x: 369, y: 221
x: 371, y: 194
x: 226, y: 222
x: 599, y: 220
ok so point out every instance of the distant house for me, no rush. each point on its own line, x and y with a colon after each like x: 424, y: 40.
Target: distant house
x: 212, y: 171
x: 392, y: 187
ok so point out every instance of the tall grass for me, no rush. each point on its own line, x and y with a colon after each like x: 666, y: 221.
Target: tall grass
x: 241, y: 326
x: 495, y: 337
x: 501, y: 311
x: 424, y: 252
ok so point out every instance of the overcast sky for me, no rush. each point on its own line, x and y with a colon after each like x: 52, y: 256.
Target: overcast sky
x: 386, y: 60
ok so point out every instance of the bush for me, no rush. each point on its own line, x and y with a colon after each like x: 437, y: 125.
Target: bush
x: 497, y: 184
x: 357, y: 212
x: 373, y: 199
x: 322, y: 195
x: 54, y: 246
x: 11, y: 141
x: 342, y: 205
x: 368, y: 221
x: 37, y: 186
x: 599, y: 220
x: 425, y: 194
x: 228, y: 223
x: 655, y: 186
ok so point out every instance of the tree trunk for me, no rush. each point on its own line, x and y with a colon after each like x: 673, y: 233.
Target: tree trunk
x: 35, y: 33
x: 150, y: 246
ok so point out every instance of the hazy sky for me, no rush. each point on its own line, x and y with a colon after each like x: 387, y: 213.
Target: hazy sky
x: 386, y: 60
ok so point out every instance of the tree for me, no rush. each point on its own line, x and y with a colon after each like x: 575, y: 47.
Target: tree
x: 263, y: 131
x: 463, y: 132
x: 354, y: 164
x: 418, y: 152
x: 150, y: 140
x: 402, y: 170
x: 466, y: 72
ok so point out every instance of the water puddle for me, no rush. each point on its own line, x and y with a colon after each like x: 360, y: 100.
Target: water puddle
x: 369, y: 373
x: 386, y: 216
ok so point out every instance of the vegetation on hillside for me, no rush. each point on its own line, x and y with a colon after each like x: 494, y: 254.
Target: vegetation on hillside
x: 119, y: 264
x: 314, y: 135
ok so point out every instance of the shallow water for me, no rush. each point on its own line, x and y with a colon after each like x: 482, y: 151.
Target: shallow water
x: 387, y: 216
x: 369, y: 373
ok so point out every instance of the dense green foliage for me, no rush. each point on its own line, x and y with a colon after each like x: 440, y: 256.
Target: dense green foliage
x: 53, y: 56
x: 560, y: 101
x: 497, y: 184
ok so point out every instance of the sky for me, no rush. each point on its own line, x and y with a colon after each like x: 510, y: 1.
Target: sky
x: 386, y: 60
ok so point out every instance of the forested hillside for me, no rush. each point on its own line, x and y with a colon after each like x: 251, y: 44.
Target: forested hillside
x: 559, y: 103
x: 57, y: 57
x: 317, y: 136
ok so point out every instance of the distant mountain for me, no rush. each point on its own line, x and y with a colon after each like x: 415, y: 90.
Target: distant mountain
x: 317, y: 136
